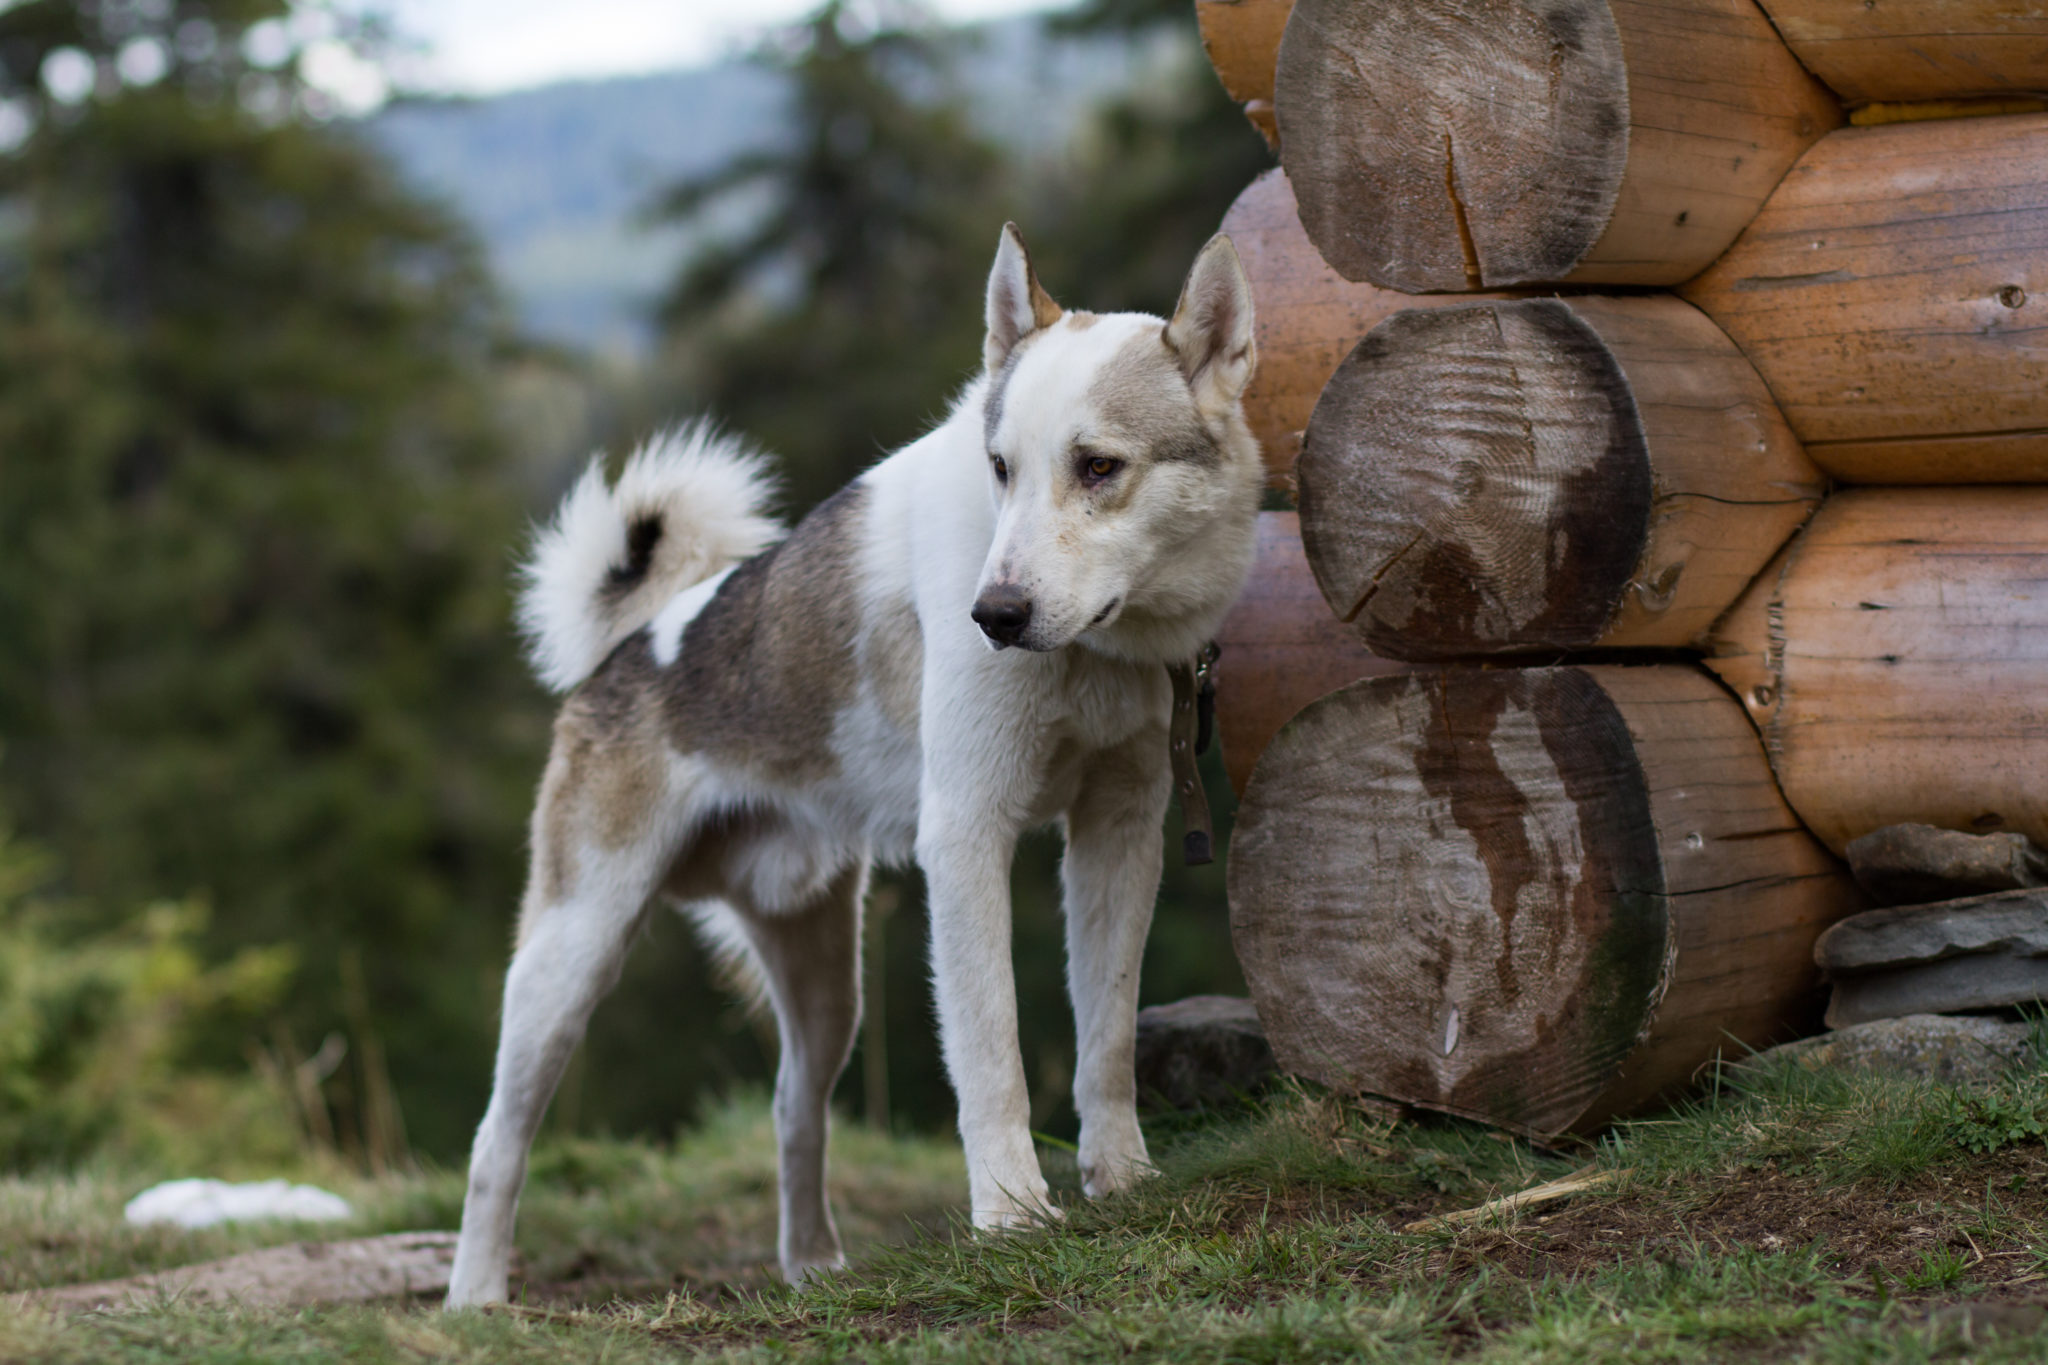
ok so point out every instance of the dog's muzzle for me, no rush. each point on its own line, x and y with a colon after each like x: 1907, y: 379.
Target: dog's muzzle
x: 1003, y: 613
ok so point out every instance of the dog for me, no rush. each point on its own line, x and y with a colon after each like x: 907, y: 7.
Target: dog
x: 971, y: 639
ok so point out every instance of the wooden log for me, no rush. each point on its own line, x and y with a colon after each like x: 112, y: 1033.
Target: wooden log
x: 1545, y: 474
x: 1895, y: 658
x: 1281, y: 650
x: 1308, y: 317
x: 1469, y: 144
x: 1921, y: 865
x: 1242, y: 38
x: 1889, y: 295
x: 1918, y: 49
x: 1537, y: 897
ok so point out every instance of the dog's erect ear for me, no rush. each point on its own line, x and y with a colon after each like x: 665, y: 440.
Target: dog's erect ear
x: 1211, y: 331
x: 1017, y: 306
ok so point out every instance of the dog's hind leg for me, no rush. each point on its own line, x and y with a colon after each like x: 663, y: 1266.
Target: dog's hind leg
x: 1111, y: 874
x: 580, y: 916
x: 810, y: 963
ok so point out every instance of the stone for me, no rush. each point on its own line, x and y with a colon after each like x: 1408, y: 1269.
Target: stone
x: 2010, y: 924
x: 1200, y: 1052
x: 1914, y: 864
x: 1979, y: 982
x: 397, y: 1265
x: 1956, y: 1050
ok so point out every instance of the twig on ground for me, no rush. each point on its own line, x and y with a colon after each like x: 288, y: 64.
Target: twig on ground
x: 1549, y: 1192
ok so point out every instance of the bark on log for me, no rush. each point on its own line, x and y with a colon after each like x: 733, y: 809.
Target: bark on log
x: 1889, y: 293
x: 1469, y: 144
x: 1538, y: 897
x: 1545, y: 474
x: 1921, y: 865
x: 1242, y: 38
x: 1281, y: 650
x: 1308, y: 317
x: 1895, y: 658
x: 1918, y: 49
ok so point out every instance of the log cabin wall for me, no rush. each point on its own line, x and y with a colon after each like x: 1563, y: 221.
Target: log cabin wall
x: 1508, y: 455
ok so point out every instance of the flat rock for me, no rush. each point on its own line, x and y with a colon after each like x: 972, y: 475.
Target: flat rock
x: 400, y: 1264
x: 1955, y: 1050
x: 2009, y: 924
x: 1202, y: 1051
x: 1960, y: 984
x: 1915, y: 864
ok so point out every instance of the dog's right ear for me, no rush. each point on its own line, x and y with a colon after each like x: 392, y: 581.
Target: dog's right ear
x: 1017, y: 305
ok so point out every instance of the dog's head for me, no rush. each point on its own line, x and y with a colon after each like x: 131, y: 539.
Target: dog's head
x: 1125, y: 481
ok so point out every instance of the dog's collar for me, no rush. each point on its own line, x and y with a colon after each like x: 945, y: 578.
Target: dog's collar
x: 1187, y: 738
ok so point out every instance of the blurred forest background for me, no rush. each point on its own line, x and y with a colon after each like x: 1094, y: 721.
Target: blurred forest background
x: 281, y: 392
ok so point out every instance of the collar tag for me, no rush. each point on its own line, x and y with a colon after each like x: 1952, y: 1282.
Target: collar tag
x: 1194, y: 704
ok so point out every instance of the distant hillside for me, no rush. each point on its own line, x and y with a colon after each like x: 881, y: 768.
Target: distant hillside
x: 553, y: 179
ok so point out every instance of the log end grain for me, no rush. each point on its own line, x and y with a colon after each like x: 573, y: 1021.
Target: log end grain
x: 1539, y: 897
x: 1447, y: 891
x: 1453, y: 146
x: 1478, y: 144
x: 1474, y: 480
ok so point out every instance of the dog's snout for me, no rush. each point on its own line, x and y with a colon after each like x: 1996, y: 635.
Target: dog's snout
x: 1003, y: 612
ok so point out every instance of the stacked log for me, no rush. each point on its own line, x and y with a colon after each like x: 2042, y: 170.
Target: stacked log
x: 1918, y: 49
x: 1545, y: 474
x: 1281, y: 650
x: 1895, y: 660
x: 1538, y: 897
x: 1506, y: 849
x: 1887, y: 294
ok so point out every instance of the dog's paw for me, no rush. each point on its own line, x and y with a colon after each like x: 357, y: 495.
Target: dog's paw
x: 1104, y: 1173
x: 803, y: 1273
x: 1010, y: 1214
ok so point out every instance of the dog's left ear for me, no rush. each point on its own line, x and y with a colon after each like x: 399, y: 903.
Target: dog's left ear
x: 1017, y: 305
x: 1211, y: 331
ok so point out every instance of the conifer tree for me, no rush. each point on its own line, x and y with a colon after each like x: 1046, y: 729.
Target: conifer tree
x: 255, y: 641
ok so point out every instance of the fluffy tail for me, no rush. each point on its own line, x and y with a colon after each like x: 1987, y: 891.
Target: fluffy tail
x: 689, y: 502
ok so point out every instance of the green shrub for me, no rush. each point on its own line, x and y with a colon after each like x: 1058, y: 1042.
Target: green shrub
x: 96, y: 1033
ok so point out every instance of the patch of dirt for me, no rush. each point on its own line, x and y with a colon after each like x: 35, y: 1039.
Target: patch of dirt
x: 1874, y: 1237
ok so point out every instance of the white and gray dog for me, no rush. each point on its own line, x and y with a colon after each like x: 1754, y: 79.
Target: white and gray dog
x: 971, y: 639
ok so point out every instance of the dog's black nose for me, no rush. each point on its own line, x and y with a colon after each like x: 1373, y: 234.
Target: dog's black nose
x: 1002, y: 613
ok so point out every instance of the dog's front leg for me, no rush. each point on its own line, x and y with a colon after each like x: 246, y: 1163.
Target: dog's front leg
x: 966, y: 848
x: 1111, y: 874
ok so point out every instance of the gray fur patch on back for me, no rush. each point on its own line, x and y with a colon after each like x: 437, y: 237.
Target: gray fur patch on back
x: 1143, y: 401
x: 768, y: 664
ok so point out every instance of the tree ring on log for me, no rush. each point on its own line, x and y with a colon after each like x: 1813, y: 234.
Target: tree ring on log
x: 1453, y: 144
x: 1448, y: 888
x: 1477, y: 479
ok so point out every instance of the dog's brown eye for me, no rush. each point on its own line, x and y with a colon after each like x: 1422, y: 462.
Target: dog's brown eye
x: 1002, y: 470
x: 1096, y: 468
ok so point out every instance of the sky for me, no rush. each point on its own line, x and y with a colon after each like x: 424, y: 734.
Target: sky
x: 483, y: 47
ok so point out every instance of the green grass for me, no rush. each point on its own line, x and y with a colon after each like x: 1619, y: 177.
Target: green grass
x: 1791, y: 1215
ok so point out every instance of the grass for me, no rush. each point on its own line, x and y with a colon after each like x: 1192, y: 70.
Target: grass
x: 1792, y: 1215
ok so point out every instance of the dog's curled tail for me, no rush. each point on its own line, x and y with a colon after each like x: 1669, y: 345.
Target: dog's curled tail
x: 690, y: 502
